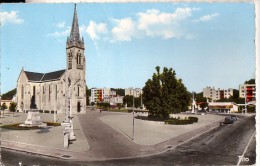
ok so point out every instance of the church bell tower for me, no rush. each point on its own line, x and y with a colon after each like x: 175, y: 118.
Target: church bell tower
x: 76, y: 67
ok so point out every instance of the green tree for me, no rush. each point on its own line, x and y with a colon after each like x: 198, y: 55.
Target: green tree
x: 92, y: 103
x: 128, y: 99
x: 12, y: 107
x: 103, y: 105
x: 165, y: 94
x: 88, y: 94
x: 119, y: 91
x: 251, y: 81
x: 3, y: 106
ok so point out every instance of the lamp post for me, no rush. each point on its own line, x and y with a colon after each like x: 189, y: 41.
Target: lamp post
x: 193, y: 103
x: 133, y: 133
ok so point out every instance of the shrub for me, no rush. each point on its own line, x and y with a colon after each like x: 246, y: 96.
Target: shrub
x: 178, y: 121
x: 194, y: 119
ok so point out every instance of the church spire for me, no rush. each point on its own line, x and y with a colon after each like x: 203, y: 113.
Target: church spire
x: 74, y: 38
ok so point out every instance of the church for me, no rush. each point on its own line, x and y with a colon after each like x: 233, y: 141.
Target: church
x: 47, y: 91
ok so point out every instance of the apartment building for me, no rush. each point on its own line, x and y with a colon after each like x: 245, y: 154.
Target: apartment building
x: 217, y: 94
x: 99, y: 94
x: 136, y: 92
x: 247, y: 91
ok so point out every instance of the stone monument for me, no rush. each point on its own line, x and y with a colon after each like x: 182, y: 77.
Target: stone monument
x: 33, y: 119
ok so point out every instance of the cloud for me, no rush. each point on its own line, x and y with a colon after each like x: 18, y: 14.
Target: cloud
x: 206, y: 18
x: 94, y: 30
x: 60, y: 33
x: 124, y: 30
x: 10, y: 17
x: 61, y: 24
x: 151, y: 23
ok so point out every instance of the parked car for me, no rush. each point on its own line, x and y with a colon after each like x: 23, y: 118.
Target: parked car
x: 229, y: 120
x: 234, y: 117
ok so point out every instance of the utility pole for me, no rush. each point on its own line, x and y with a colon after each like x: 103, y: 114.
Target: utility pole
x: 142, y: 101
x: 133, y: 134
x: 193, y: 103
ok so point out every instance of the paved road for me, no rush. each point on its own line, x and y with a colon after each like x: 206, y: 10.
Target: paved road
x: 221, y: 146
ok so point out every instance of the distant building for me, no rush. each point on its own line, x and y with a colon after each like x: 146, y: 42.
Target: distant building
x: 99, y: 94
x: 105, y: 95
x: 217, y: 94
x: 133, y: 92
x: 116, y: 100
x: 226, y: 107
x: 248, y: 91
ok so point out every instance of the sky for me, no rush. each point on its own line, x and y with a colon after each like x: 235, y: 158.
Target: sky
x: 207, y: 44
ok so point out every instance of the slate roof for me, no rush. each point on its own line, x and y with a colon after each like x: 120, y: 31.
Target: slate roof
x: 44, y: 77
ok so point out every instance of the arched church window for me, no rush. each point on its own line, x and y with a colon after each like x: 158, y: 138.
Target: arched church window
x: 70, y: 59
x: 22, y: 91
x: 78, y: 58
x: 49, y: 92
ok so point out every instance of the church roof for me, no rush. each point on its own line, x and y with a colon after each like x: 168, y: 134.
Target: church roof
x: 32, y: 76
x: 44, y: 77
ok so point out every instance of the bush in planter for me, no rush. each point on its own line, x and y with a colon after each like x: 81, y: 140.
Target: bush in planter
x: 194, y: 119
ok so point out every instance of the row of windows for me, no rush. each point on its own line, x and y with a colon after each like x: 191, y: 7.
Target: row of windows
x: 49, y: 90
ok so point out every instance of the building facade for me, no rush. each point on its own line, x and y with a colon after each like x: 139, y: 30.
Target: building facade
x: 225, y: 107
x: 105, y: 95
x: 100, y: 94
x: 247, y: 91
x: 136, y: 92
x: 217, y: 94
x: 47, y: 91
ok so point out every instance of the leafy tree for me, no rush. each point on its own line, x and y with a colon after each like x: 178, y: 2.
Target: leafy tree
x: 165, y: 94
x: 92, y: 103
x: 128, y: 99
x: 251, y: 81
x: 9, y: 95
x: 33, y: 105
x: 3, y: 106
x: 104, y: 105
x: 12, y: 106
x: 119, y: 91
x: 88, y: 94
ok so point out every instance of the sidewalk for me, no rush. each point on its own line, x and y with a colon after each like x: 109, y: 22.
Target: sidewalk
x: 51, y: 144
x: 47, y: 141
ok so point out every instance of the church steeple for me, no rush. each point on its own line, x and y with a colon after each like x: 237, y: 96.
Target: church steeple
x: 74, y: 38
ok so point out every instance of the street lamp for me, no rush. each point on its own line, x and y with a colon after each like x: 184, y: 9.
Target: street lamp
x: 193, y: 103
x: 133, y: 118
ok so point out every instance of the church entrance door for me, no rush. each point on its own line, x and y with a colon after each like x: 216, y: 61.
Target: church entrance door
x: 78, y: 107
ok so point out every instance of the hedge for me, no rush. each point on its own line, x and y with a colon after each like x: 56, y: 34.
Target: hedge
x: 194, y: 119
x: 190, y: 120
x: 178, y: 121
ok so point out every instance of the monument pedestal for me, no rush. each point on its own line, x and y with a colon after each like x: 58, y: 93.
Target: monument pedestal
x: 33, y: 119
